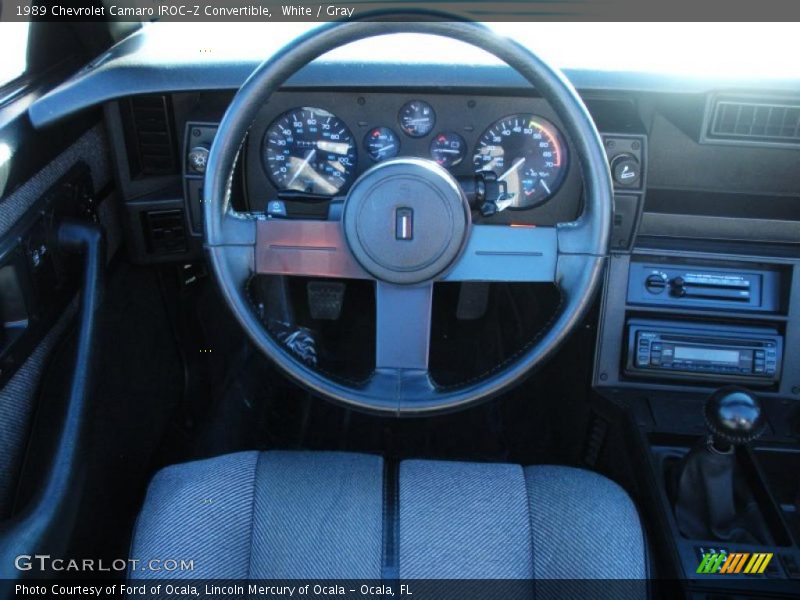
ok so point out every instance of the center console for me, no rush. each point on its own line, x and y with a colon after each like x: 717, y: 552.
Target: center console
x: 689, y: 323
x: 679, y: 331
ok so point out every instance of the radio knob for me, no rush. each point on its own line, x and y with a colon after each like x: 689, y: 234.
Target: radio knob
x: 677, y: 287
x: 656, y: 283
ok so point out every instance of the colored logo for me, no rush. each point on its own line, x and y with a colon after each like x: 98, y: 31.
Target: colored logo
x: 721, y: 563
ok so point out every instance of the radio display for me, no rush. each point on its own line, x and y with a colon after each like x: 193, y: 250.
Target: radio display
x: 715, y: 355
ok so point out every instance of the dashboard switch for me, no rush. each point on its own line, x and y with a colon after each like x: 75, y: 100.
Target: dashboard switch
x: 276, y: 209
x: 626, y: 170
x: 198, y: 158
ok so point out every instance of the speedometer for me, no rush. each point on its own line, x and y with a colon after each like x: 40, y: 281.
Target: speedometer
x: 309, y: 150
x: 528, y: 153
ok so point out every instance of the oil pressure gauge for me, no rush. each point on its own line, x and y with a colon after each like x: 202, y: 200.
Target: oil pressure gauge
x: 381, y: 143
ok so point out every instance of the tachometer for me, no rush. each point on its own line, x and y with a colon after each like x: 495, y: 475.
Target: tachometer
x: 528, y: 153
x: 309, y: 150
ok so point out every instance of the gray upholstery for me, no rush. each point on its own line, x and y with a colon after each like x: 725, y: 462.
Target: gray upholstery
x: 201, y: 511
x: 583, y: 526
x: 463, y: 520
x: 17, y: 407
x: 91, y: 148
x: 320, y: 515
x: 323, y: 507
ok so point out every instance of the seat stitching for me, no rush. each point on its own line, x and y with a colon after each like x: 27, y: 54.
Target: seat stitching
x: 253, y: 515
x: 390, y: 561
x: 529, y: 507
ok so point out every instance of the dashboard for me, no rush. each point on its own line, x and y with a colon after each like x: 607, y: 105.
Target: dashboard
x: 706, y: 177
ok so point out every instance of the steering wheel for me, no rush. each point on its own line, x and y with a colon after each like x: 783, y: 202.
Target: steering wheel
x: 406, y: 224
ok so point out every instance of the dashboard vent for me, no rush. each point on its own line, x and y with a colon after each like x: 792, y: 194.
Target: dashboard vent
x: 149, y: 136
x: 754, y: 120
x: 165, y: 231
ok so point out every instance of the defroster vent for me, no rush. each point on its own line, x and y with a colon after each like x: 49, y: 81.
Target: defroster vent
x: 760, y: 121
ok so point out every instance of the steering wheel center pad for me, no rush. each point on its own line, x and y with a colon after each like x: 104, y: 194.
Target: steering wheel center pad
x: 406, y: 220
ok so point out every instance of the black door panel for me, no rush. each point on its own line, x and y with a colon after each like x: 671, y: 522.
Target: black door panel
x: 38, y: 284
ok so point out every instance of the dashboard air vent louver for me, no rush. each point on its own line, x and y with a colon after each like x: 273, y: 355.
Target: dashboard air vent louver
x: 165, y: 231
x: 754, y: 120
x: 150, y: 137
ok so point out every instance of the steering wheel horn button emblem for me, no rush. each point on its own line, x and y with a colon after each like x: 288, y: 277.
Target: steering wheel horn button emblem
x: 404, y: 223
x: 427, y: 210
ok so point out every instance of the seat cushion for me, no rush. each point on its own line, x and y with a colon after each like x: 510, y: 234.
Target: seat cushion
x: 284, y: 515
x: 463, y: 521
x: 271, y: 515
x: 495, y: 521
x: 583, y: 526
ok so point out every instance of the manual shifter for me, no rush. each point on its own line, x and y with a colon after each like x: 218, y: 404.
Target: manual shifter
x: 712, y: 498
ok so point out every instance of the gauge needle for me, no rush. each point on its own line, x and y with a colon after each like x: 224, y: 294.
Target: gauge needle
x: 302, y: 166
x: 544, y: 185
x: 385, y: 148
x: 448, y: 151
x: 517, y: 164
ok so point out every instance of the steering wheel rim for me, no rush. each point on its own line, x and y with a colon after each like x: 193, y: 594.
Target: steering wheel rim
x: 235, y: 242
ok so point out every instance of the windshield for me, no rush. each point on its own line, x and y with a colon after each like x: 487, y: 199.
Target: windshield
x: 716, y: 50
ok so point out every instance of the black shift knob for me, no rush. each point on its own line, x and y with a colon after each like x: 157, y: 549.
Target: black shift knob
x: 733, y: 415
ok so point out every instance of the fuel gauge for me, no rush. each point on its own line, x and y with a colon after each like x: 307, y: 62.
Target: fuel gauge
x: 417, y: 118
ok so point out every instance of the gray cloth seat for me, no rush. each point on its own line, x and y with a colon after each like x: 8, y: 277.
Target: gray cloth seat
x: 283, y: 515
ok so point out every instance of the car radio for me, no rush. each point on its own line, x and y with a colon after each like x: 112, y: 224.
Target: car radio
x: 688, y: 351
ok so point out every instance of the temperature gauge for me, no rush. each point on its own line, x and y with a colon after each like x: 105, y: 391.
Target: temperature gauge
x: 448, y: 149
x: 381, y: 143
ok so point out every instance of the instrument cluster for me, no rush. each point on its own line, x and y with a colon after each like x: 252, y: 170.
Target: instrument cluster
x: 311, y: 150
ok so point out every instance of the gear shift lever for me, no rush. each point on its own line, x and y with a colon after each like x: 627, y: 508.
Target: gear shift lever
x: 733, y: 417
x: 712, y: 499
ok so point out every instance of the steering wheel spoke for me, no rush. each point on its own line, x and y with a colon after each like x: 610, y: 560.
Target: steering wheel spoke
x: 403, y: 326
x: 304, y: 247
x: 508, y: 253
